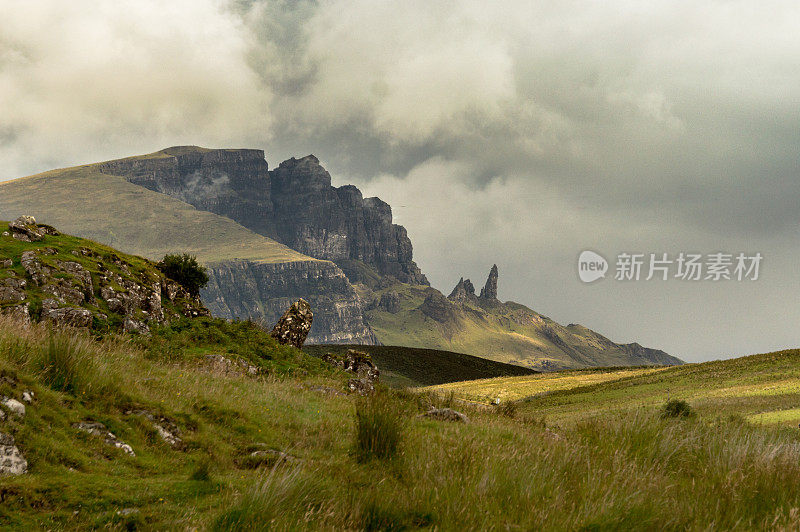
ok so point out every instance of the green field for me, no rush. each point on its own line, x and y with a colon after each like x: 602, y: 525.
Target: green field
x: 408, y: 366
x: 108, y: 209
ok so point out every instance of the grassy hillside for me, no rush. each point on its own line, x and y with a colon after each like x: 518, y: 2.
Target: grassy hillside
x: 85, y: 202
x: 763, y: 389
x: 508, y: 332
x: 592, y: 458
x: 408, y: 366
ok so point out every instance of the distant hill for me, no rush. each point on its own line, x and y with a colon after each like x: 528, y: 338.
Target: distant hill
x: 420, y: 316
x: 409, y: 366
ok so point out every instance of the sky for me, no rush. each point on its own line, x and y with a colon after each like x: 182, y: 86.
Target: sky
x: 513, y: 132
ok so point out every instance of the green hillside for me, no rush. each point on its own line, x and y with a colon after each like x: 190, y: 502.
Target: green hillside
x: 189, y: 443
x: 105, y: 208
x: 408, y: 366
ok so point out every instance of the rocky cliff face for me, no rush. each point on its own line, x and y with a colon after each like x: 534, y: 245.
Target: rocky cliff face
x: 263, y: 291
x: 294, y: 204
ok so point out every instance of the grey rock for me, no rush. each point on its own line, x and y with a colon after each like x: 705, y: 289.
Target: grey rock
x: 489, y: 291
x: 167, y: 429
x: 25, y: 229
x: 20, y: 313
x: 65, y: 316
x: 293, y: 327
x: 360, y: 363
x: 98, y: 429
x: 463, y: 291
x: 6, y: 263
x: 28, y: 396
x: 445, y: 414
x: 11, y: 460
x: 14, y: 406
x: 390, y: 302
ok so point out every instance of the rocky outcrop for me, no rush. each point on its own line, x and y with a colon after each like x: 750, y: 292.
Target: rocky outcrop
x: 445, y: 414
x: 11, y: 460
x: 437, y: 307
x: 489, y: 291
x: 262, y: 292
x: 294, y: 204
x: 292, y: 328
x: 463, y: 291
x: 98, y: 429
x: 359, y: 363
x: 26, y: 229
x: 94, y: 288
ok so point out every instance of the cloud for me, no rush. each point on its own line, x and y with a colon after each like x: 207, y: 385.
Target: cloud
x: 512, y: 132
x: 82, y: 81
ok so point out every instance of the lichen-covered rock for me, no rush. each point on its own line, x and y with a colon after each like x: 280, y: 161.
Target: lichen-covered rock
x: 20, y: 313
x: 11, y: 460
x: 292, y: 328
x: 445, y: 414
x: 69, y: 316
x: 360, y: 363
x: 98, y: 429
x: 25, y: 229
x: 12, y: 289
x: 227, y: 366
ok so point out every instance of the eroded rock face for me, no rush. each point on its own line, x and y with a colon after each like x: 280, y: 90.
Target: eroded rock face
x: 294, y: 204
x: 292, y: 328
x: 438, y: 307
x: 263, y: 291
x: 11, y: 460
x: 390, y: 302
x: 463, y: 291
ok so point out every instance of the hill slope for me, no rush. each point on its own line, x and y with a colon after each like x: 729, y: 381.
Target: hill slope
x: 408, y: 366
x: 418, y: 316
x: 89, y: 203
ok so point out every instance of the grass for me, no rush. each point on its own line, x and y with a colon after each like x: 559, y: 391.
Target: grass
x: 592, y: 457
x: 505, y: 389
x: 380, y: 427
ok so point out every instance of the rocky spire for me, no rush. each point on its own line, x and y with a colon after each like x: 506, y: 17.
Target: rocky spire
x: 489, y: 292
x: 462, y: 291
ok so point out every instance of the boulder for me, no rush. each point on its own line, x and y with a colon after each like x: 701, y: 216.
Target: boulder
x: 25, y: 229
x: 14, y: 406
x: 445, y: 414
x: 20, y: 313
x: 367, y: 373
x: 11, y: 460
x: 227, y: 366
x: 69, y: 316
x: 292, y: 328
x: 167, y: 429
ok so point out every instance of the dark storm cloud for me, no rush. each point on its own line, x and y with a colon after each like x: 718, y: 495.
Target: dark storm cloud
x: 507, y: 132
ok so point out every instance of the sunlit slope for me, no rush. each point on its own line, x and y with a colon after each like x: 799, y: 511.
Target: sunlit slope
x: 759, y: 388
x: 87, y: 203
x: 507, y: 332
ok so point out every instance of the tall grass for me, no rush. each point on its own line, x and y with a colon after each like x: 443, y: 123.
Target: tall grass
x: 380, y: 427
x: 64, y: 362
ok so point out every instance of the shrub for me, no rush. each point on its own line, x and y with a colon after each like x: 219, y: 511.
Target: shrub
x: 380, y: 425
x: 676, y: 408
x: 64, y: 363
x: 185, y: 270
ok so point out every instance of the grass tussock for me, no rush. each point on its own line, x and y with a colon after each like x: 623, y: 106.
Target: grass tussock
x: 677, y: 408
x: 64, y: 363
x: 380, y: 426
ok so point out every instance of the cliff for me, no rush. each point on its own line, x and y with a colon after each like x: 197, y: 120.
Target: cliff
x: 263, y: 291
x: 294, y: 204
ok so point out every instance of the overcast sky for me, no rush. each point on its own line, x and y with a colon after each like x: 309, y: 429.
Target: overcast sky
x: 502, y: 132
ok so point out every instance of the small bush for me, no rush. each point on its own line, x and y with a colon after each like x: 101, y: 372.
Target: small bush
x: 64, y: 363
x: 676, y: 408
x: 186, y: 271
x: 380, y: 424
